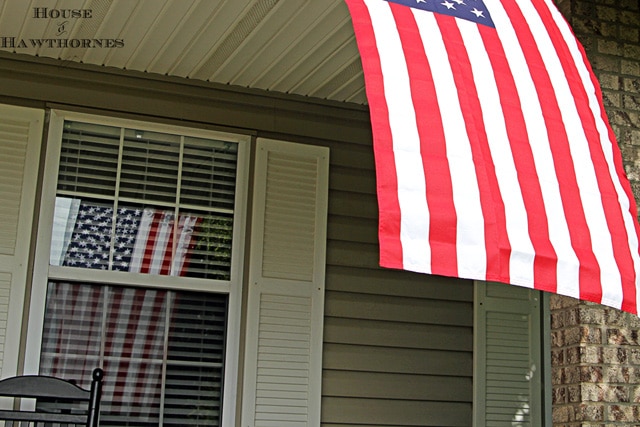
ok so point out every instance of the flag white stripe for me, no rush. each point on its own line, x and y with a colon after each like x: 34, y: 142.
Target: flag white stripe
x: 185, y: 232
x: 415, y: 218
x: 163, y: 233
x: 470, y: 243
x: 581, y: 159
x: 141, y: 240
x: 607, y: 144
x: 522, y: 251
x: 568, y: 267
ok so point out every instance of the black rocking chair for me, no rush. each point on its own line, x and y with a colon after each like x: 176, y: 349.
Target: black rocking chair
x: 53, y: 399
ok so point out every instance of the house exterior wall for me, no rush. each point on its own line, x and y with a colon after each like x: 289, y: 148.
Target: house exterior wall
x: 398, y: 346
x: 596, y: 350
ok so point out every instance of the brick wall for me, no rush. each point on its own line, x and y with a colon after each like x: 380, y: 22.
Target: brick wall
x: 596, y: 350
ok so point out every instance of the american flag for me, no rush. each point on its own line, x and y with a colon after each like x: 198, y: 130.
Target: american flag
x: 494, y: 157
x: 143, y: 243
x: 133, y: 331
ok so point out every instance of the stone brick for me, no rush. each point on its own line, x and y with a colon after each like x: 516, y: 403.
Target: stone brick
x: 605, y: 63
x: 591, y: 355
x: 634, y: 356
x: 605, y: 13
x: 623, y: 413
x: 591, y: 315
x: 610, y: 47
x: 615, y: 394
x: 631, y: 5
x: 631, y: 102
x: 561, y: 414
x: 557, y: 339
x: 622, y: 336
x: 589, y: 412
x: 591, y: 335
x: 629, y: 34
x: 631, y: 68
x: 592, y: 392
x: 574, y: 393
x: 619, y: 374
x: 573, y: 355
x: 634, y: 138
x: 619, y: 318
x: 631, y: 51
x: 583, y: 8
x: 631, y: 85
x: 557, y: 302
x: 610, y: 81
x: 612, y: 100
x: 630, y: 18
x: 618, y: 119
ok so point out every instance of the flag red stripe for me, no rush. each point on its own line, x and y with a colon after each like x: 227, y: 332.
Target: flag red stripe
x: 439, y: 191
x: 148, y: 375
x: 167, y: 250
x: 147, y: 260
x: 387, y: 182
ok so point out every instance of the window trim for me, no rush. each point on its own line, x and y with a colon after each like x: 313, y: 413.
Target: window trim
x: 43, y: 272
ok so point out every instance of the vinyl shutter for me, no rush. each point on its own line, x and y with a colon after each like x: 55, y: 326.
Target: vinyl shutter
x: 508, y: 357
x: 283, y: 359
x: 20, y: 138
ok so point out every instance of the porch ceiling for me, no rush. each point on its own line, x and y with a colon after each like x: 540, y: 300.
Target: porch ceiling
x: 303, y: 47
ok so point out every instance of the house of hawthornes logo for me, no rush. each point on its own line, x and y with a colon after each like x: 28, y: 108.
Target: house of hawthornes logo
x: 63, y: 20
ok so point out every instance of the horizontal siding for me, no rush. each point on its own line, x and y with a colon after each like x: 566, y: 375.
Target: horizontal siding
x: 388, y: 412
x: 398, y: 346
x: 423, y: 356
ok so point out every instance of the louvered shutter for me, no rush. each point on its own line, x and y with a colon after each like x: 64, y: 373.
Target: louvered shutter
x: 508, y: 357
x: 20, y: 137
x: 286, y: 291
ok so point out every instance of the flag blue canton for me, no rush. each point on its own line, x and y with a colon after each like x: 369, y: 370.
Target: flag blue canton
x: 91, y: 238
x: 471, y: 10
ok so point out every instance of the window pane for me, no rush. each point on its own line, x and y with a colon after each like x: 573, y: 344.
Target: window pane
x: 159, y: 349
x: 209, y: 254
x: 147, y: 240
x: 209, y: 174
x: 150, y: 163
x: 89, y: 159
x: 120, y: 190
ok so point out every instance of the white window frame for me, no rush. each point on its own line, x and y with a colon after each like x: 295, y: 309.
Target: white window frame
x: 43, y: 272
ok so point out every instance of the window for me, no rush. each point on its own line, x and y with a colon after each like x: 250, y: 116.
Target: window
x: 142, y: 229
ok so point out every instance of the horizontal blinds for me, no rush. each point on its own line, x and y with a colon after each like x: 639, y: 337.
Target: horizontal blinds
x: 89, y: 160
x: 111, y: 179
x: 162, y: 351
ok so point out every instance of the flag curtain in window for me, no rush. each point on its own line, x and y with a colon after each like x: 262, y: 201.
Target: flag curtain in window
x: 147, y: 240
x: 162, y: 351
